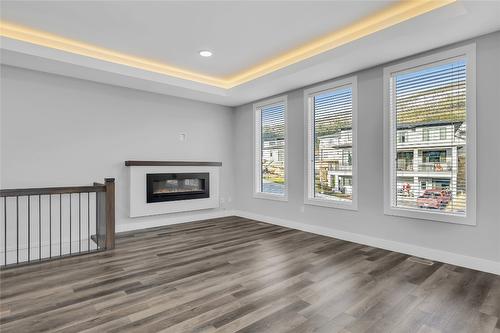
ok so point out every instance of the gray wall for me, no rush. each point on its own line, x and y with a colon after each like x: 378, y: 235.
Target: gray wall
x: 61, y: 131
x: 482, y: 241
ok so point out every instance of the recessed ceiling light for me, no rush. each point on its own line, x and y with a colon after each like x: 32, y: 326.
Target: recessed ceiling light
x: 205, y: 53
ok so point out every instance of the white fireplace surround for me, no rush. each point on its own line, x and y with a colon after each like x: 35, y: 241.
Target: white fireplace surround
x: 138, y: 201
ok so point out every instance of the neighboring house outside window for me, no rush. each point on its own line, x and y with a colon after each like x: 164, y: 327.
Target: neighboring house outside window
x: 270, y: 149
x: 430, y: 103
x: 331, y: 152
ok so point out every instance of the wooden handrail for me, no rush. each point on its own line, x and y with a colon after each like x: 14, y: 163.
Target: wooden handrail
x: 52, y: 190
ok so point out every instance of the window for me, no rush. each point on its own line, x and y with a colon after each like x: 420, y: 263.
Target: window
x: 425, y: 134
x: 405, y: 161
x: 431, y: 175
x: 331, y: 145
x: 442, y: 133
x: 271, y: 149
x: 434, y: 156
x: 402, y: 136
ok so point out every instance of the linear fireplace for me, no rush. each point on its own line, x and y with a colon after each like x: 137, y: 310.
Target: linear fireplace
x: 176, y: 186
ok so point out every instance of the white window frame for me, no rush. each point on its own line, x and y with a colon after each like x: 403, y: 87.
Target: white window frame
x: 309, y: 198
x: 257, y: 107
x: 467, y: 52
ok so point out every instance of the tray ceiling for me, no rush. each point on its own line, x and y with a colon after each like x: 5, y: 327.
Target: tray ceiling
x: 253, y: 42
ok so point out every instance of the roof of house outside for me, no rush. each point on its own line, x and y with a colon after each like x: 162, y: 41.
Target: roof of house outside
x: 457, y: 124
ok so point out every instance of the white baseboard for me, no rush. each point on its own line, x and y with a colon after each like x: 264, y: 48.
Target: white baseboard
x: 164, y: 220
x: 13, y: 254
x: 479, y: 264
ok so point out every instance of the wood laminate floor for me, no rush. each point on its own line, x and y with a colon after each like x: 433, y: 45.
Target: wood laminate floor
x: 238, y: 275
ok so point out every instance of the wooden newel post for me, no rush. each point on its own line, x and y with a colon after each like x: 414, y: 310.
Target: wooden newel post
x: 110, y: 213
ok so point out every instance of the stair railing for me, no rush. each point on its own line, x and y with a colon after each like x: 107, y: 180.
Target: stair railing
x: 41, y: 224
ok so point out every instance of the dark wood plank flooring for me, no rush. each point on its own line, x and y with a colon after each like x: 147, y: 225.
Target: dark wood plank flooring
x: 238, y: 275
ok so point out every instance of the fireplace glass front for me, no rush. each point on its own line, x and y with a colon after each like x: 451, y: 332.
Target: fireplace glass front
x: 176, y: 186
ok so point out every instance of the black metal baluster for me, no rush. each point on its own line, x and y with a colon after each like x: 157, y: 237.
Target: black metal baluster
x: 50, y: 225
x: 79, y: 222
x: 96, y: 221
x: 88, y: 220
x: 70, y: 211
x: 5, y: 225
x: 39, y: 227
x: 29, y: 228
x: 17, y: 228
x: 60, y: 224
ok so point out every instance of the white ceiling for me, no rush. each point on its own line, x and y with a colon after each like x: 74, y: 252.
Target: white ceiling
x: 241, y: 34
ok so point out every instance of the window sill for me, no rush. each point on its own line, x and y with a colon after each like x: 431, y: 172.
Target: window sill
x: 468, y: 219
x: 331, y: 204
x: 269, y: 196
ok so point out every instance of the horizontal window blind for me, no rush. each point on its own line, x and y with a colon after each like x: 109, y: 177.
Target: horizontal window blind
x: 332, y: 117
x: 272, y: 149
x: 429, y: 133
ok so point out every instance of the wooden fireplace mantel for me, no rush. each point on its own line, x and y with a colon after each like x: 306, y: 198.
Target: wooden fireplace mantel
x: 171, y: 163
